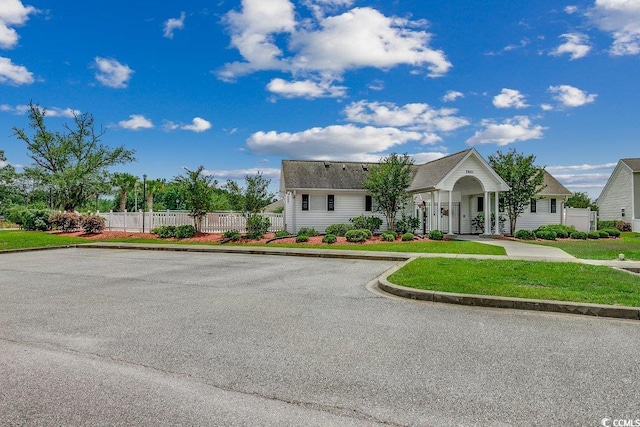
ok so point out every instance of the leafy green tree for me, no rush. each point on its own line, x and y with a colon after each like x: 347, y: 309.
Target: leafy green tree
x: 73, y: 163
x: 197, y: 190
x: 7, y: 179
x: 154, y: 186
x: 523, y: 177
x: 124, y: 183
x: 235, y: 195
x: 387, y: 183
x: 253, y: 197
x: 580, y: 200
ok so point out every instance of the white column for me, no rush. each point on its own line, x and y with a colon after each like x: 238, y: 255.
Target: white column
x: 438, y: 215
x: 431, y: 211
x: 487, y: 213
x: 497, y: 201
x: 450, y: 216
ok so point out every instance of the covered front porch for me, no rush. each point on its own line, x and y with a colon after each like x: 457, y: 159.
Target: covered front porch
x: 463, y: 199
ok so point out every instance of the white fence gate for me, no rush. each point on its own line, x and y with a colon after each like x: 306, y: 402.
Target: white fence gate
x: 582, y: 219
x: 213, y: 222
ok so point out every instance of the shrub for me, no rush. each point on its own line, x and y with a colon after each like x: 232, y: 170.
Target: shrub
x: 371, y: 223
x: 613, y: 232
x: 93, y: 224
x: 525, y: 235
x: 546, y: 235
x: 16, y: 214
x: 282, y: 233
x: 185, y: 231
x: 406, y: 237
x: 65, y: 221
x: 367, y: 232
x: 301, y: 238
x: 603, y: 234
x: 579, y: 235
x: 623, y: 226
x: 356, y: 235
x: 36, y: 220
x: 338, y: 229
x: 407, y: 224
x: 606, y: 224
x: 330, y: 238
x: 562, y: 231
x: 164, y: 231
x: 436, y: 235
x: 233, y: 235
x: 388, y: 236
x: 257, y: 226
x: 311, y: 232
x: 593, y: 235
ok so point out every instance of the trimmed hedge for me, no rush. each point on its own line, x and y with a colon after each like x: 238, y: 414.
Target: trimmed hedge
x: 388, y: 236
x: 407, y: 237
x: 179, y: 232
x: 65, y: 221
x: 579, y: 235
x: 436, y: 235
x: 93, y: 224
x: 282, y: 233
x: 613, y: 232
x: 330, y: 238
x: 233, y: 235
x: 546, y: 235
x: 593, y: 235
x: 371, y: 223
x: 310, y: 232
x: 356, y: 236
x: 525, y: 235
x: 603, y: 234
x: 301, y: 238
x: 338, y: 229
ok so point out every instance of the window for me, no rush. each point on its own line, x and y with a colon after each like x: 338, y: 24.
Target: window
x: 480, y: 204
x: 330, y: 202
x: 305, y: 202
x: 534, y: 206
x: 553, y: 206
x: 368, y: 203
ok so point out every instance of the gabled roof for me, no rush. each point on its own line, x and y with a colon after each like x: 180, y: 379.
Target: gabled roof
x: 300, y: 174
x: 633, y: 164
x: 430, y: 174
x: 551, y: 187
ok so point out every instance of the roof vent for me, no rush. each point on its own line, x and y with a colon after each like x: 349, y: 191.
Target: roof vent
x: 365, y: 168
x: 327, y: 164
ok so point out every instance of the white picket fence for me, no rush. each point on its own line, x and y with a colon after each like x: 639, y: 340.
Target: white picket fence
x: 213, y: 222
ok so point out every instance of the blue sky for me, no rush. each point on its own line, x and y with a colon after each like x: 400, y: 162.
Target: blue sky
x: 237, y: 86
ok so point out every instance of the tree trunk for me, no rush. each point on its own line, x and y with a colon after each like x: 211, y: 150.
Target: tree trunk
x: 149, y: 202
x: 123, y: 201
x: 512, y: 224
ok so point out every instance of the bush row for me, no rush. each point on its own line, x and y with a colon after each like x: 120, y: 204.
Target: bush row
x: 553, y: 231
x: 42, y: 220
x: 619, y: 225
x: 175, y: 231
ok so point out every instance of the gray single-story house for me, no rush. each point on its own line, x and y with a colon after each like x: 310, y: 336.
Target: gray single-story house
x: 620, y: 197
x: 448, y: 194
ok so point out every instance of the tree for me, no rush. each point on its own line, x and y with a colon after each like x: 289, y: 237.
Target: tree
x: 124, y: 183
x: 387, y: 183
x: 235, y: 195
x: 73, y: 163
x: 154, y: 186
x: 524, y: 179
x: 7, y: 178
x: 580, y: 200
x: 197, y: 190
x: 253, y: 197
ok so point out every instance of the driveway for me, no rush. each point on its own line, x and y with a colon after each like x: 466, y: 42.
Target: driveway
x: 125, y: 337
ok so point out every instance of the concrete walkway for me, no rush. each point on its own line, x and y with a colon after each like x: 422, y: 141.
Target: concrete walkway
x: 525, y: 251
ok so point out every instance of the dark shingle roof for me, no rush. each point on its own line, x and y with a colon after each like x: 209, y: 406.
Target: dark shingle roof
x: 430, y: 174
x: 325, y: 175
x: 551, y: 187
x: 634, y: 164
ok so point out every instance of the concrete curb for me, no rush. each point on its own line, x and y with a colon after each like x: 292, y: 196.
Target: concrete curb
x: 599, y: 310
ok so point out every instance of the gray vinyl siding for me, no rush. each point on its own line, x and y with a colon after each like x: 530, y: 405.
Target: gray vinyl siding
x: 617, y: 194
x: 347, y: 206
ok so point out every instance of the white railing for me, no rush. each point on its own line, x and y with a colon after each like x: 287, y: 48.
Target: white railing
x: 213, y: 222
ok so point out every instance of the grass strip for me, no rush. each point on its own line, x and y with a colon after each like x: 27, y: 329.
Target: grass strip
x: 18, y: 239
x: 605, y: 249
x: 556, y: 281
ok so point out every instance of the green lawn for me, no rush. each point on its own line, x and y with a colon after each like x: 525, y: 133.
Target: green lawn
x: 522, y: 279
x: 438, y: 247
x: 607, y: 249
x: 18, y: 239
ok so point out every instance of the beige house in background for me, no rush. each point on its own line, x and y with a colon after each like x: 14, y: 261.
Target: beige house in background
x: 620, y: 197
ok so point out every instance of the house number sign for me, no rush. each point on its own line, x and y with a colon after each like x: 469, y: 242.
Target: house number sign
x: 469, y: 171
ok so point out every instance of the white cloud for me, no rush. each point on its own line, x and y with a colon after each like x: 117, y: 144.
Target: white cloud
x: 50, y: 111
x: 416, y: 116
x: 546, y: 107
x: 576, y: 45
x: 570, y: 96
x: 376, y: 85
x: 519, y: 128
x: 583, y: 167
x: 420, y: 158
x: 14, y: 74
x: 327, y: 46
x: 509, y: 98
x: 269, y: 173
x: 452, y: 95
x: 12, y: 14
x: 112, y: 73
x: 570, y: 10
x: 620, y: 18
x: 198, y: 125
x: 305, y: 89
x: 320, y: 8
x: 172, y: 24
x: 347, y: 142
x: 136, y: 122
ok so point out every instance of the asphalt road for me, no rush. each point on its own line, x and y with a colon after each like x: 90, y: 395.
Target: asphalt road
x: 121, y: 337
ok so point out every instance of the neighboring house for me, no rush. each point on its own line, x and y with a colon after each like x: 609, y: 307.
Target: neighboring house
x: 620, y: 197
x: 447, y: 194
x: 275, y: 207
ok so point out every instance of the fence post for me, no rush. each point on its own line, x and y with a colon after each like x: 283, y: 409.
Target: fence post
x: 125, y: 220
